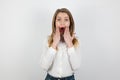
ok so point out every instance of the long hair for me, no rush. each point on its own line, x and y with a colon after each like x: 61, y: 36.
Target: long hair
x: 71, y: 27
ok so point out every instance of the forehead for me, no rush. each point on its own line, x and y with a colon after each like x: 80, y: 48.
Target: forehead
x: 62, y: 14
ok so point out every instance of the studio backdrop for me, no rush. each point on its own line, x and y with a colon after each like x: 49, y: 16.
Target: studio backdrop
x: 24, y: 24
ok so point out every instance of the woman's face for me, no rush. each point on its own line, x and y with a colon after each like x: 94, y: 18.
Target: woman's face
x: 62, y: 21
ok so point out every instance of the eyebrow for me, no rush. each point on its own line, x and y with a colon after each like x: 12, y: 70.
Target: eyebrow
x: 64, y: 17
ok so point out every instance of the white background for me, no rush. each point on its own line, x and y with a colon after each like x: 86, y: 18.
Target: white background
x: 24, y: 24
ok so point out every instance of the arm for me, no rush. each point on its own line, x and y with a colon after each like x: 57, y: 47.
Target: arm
x: 74, y: 57
x: 47, y: 57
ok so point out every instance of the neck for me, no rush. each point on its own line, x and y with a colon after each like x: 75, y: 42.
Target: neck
x: 62, y: 38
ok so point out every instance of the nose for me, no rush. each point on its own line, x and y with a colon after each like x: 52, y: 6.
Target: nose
x: 62, y: 23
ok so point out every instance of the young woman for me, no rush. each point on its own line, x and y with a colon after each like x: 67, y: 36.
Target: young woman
x: 60, y: 58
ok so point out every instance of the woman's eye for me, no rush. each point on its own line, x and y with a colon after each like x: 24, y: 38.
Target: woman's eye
x: 66, y: 19
x: 58, y: 19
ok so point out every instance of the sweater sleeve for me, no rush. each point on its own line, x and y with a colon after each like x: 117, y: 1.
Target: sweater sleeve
x: 47, y: 57
x: 74, y: 57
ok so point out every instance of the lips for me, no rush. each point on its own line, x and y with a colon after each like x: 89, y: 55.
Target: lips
x: 62, y: 29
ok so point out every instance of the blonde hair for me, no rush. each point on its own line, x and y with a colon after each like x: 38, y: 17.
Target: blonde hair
x: 71, y: 27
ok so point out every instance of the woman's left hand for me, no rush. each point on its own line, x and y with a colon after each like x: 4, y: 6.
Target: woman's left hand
x: 68, y: 38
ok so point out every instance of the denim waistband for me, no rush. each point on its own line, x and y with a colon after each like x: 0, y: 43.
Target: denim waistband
x: 49, y: 77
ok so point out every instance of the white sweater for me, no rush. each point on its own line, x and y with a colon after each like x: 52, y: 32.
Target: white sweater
x: 62, y: 62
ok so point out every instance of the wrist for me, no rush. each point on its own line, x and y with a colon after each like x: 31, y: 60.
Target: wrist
x: 70, y: 45
x: 53, y: 45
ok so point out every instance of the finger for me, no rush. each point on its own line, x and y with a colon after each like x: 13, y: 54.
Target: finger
x: 53, y: 35
x: 67, y: 33
x: 73, y: 36
x: 67, y: 30
x: 67, y: 27
x: 57, y: 29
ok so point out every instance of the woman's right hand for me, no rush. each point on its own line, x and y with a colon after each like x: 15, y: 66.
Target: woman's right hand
x: 56, y: 38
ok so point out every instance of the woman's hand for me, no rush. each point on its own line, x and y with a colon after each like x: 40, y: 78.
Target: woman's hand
x: 56, y: 38
x: 68, y: 38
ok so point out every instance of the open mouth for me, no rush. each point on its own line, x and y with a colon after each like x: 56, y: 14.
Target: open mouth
x: 62, y: 29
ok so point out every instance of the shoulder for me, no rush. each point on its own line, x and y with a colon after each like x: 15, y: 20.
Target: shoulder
x: 78, y: 38
x: 45, y: 41
x: 78, y: 41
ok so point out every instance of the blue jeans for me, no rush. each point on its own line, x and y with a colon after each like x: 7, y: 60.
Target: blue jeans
x: 49, y: 77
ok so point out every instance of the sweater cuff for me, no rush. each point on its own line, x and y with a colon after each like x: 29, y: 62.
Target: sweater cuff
x: 52, y: 51
x: 71, y: 50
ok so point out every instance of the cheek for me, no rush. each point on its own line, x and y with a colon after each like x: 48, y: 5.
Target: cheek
x: 67, y: 24
x: 57, y: 23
